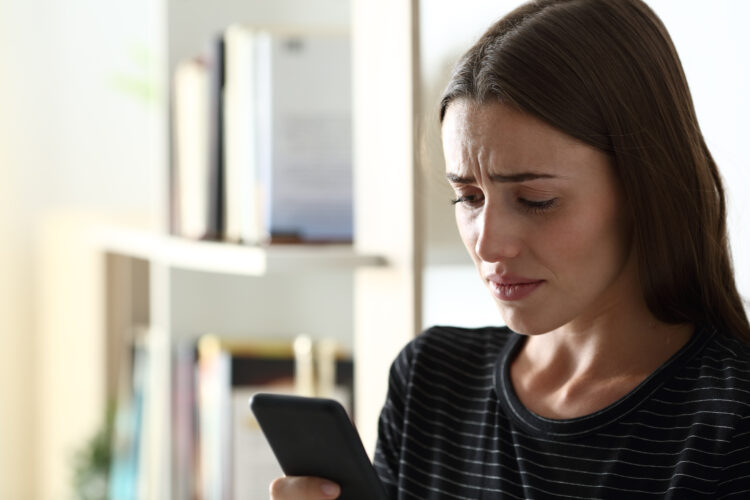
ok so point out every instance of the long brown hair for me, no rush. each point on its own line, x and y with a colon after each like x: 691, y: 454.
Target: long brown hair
x: 607, y: 73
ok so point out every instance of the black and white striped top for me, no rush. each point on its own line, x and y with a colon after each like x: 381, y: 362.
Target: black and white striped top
x: 452, y: 426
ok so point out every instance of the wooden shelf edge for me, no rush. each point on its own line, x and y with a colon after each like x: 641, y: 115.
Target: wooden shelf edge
x: 229, y: 258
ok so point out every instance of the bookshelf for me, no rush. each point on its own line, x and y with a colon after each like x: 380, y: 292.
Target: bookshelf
x: 365, y: 295
x: 178, y: 289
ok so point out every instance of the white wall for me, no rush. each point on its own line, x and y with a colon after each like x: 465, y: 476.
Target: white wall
x: 712, y: 42
x: 70, y: 136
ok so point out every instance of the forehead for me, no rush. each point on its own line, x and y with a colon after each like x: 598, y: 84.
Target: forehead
x: 501, y: 139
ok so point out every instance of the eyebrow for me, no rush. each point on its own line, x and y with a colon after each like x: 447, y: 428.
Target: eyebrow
x: 520, y: 177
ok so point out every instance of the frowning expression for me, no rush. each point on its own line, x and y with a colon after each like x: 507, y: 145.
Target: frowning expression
x: 541, y: 214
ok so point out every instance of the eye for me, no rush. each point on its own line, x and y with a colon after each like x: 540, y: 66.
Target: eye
x: 537, y: 206
x: 470, y: 200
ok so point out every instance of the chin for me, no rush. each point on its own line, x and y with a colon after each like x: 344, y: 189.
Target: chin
x: 528, y: 324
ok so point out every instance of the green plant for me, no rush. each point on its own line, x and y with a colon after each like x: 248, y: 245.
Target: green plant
x: 91, y: 463
x: 138, y: 80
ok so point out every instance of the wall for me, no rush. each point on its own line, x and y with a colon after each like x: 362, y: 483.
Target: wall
x: 74, y: 132
x: 712, y: 43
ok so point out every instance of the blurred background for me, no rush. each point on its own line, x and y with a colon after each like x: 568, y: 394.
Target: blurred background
x: 84, y: 145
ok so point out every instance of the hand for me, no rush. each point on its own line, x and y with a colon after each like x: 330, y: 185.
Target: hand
x: 303, y: 488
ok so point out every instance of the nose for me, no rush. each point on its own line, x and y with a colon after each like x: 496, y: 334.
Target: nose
x: 498, y: 235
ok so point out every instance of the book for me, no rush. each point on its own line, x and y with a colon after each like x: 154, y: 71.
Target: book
x: 191, y: 175
x: 216, y: 161
x: 126, y: 466
x: 184, y: 421
x: 198, y: 144
x: 213, y: 393
x: 242, y: 190
x: 288, y: 136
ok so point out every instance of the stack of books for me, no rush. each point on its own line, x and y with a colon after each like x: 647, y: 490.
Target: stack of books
x: 262, y: 139
x: 218, y: 450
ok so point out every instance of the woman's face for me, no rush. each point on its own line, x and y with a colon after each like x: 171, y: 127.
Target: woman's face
x: 542, y: 216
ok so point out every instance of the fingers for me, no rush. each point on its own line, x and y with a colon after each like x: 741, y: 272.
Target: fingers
x: 303, y: 488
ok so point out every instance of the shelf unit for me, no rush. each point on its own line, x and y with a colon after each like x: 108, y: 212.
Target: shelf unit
x: 181, y: 288
x: 369, y: 291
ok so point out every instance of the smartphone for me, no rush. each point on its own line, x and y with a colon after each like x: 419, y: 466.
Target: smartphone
x: 314, y: 437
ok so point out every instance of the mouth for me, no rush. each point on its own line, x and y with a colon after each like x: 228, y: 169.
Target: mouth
x: 509, y: 289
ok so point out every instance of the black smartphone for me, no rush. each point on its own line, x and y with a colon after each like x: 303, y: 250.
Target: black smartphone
x: 314, y: 437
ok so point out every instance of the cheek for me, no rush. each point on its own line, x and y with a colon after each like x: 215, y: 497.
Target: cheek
x: 591, y: 244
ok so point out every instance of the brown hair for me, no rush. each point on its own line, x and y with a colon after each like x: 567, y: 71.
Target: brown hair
x: 607, y: 73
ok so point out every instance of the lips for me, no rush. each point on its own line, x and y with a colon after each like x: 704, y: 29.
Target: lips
x: 507, y: 287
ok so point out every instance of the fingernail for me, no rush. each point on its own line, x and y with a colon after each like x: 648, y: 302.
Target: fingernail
x: 329, y: 489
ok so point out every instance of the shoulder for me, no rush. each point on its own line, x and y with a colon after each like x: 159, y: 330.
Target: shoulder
x: 720, y: 374
x: 725, y: 372
x: 727, y: 359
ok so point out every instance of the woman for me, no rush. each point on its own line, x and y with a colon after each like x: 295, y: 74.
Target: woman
x: 595, y: 215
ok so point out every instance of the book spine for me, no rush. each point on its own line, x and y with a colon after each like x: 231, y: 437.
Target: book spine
x: 126, y: 467
x: 214, y: 417
x: 184, y: 425
x: 241, y: 183
x: 215, y: 186
x: 191, y: 155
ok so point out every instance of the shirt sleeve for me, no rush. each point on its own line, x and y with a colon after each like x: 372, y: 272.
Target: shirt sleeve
x: 735, y: 482
x: 391, y: 423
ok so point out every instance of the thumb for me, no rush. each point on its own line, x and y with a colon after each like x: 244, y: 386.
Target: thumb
x: 307, y: 488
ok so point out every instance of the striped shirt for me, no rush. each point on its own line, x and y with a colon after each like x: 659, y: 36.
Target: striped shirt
x: 452, y: 426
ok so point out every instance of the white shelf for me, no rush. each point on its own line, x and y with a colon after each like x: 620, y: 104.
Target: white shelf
x: 220, y: 257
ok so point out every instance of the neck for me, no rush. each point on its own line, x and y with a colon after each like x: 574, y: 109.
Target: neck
x: 569, y: 374
x: 616, y: 335
x: 597, y: 358
x: 607, y: 348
